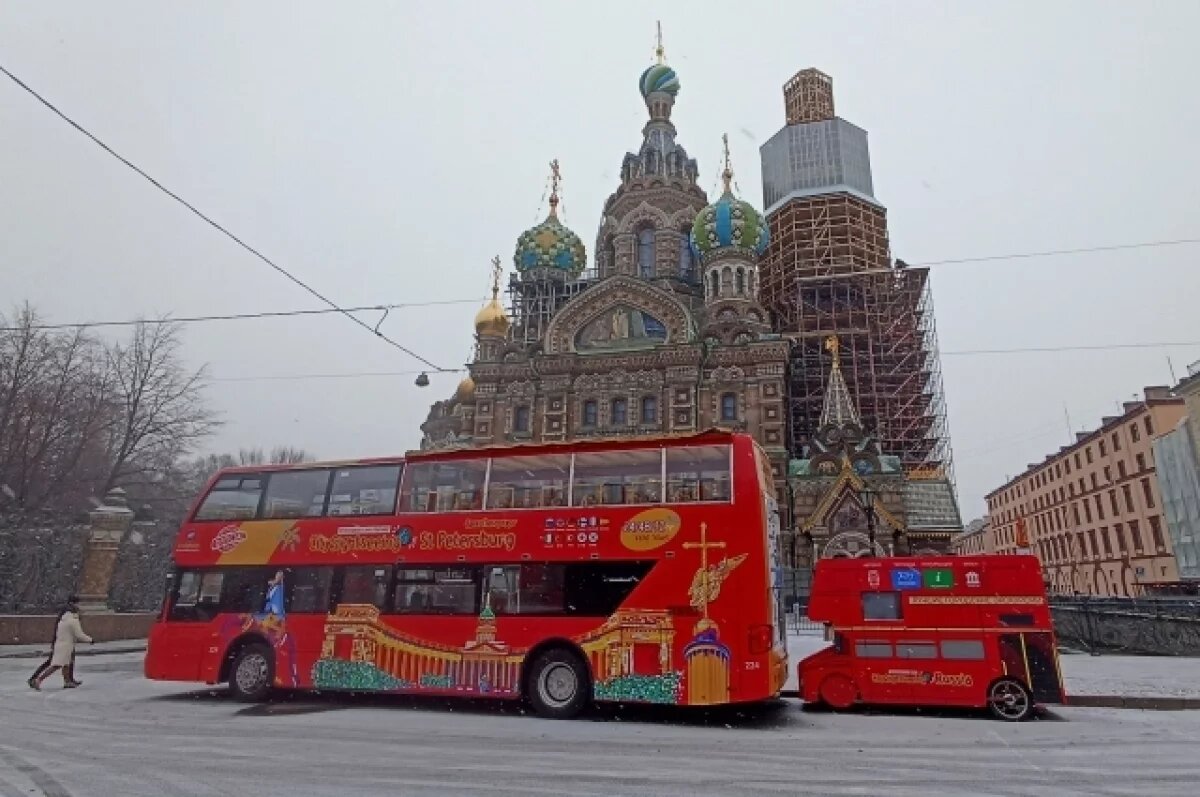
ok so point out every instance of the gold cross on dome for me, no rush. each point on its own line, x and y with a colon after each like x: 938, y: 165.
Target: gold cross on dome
x: 658, y: 50
x: 496, y: 272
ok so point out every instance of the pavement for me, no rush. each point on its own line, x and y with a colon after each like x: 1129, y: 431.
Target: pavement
x: 98, y: 649
x: 120, y: 734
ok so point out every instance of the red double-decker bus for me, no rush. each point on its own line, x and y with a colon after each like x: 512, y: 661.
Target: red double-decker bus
x: 953, y: 631
x: 639, y: 571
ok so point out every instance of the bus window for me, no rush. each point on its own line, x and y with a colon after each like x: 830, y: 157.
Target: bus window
x: 529, y: 482
x: 365, y: 585
x: 233, y: 497
x: 916, y: 650
x: 598, y: 589
x: 618, y: 477
x: 244, y: 589
x: 308, y: 590
x: 443, y: 486
x: 881, y: 605
x: 873, y: 649
x: 367, y: 490
x: 296, y: 494
x: 443, y: 590
x: 698, y: 473
x: 962, y: 649
x: 1016, y: 620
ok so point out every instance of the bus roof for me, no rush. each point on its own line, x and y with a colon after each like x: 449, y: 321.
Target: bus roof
x: 274, y: 467
x: 712, y: 435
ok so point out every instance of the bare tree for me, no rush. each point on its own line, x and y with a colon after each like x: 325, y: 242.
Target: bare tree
x: 159, y: 414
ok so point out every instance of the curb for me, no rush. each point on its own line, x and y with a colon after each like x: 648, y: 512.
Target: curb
x: 1106, y: 701
x: 41, y: 654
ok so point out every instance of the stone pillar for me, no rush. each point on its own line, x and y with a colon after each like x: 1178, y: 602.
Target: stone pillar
x: 109, y: 522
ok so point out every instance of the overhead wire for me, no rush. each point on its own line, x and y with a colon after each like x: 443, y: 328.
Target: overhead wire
x: 217, y: 226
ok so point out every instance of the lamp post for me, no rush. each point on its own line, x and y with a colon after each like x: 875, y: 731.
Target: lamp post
x: 867, y: 496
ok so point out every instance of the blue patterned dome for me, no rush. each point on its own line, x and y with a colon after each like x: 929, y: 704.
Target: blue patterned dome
x: 550, y: 245
x: 659, y: 77
x: 729, y: 223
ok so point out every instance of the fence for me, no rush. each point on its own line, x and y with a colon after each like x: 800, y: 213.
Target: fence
x: 1163, y: 626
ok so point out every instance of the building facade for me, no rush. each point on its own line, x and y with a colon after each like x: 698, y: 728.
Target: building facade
x: 1093, y: 511
x: 829, y: 271
x: 665, y: 335
x: 975, y: 539
x: 1177, y: 454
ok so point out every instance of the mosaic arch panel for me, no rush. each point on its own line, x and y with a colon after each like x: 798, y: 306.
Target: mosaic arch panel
x: 621, y: 327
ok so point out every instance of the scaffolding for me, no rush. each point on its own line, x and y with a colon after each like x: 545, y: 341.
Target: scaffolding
x: 535, y: 296
x: 808, y: 97
x: 829, y: 272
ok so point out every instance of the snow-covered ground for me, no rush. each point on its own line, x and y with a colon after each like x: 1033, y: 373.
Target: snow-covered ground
x: 1124, y: 676
x: 122, y: 735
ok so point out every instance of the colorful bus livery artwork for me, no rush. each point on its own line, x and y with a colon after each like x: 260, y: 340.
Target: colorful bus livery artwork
x: 629, y: 571
x: 962, y: 631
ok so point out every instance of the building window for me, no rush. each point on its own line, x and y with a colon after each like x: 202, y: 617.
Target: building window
x: 1075, y: 510
x: 1092, y: 540
x: 1149, y: 426
x: 1135, y: 432
x: 1107, y: 540
x: 1116, y: 441
x: 1099, y: 507
x: 1067, y: 466
x: 1087, y: 510
x: 1103, y: 448
x: 1135, y: 535
x: 1077, y: 463
x: 1107, y: 473
x: 645, y: 252
x: 729, y: 407
x: 1156, y: 532
x: 1141, y: 461
x: 1121, y: 472
x: 1120, y: 530
x: 1128, y: 497
x: 1095, y: 484
x: 620, y: 412
x: 1112, y: 501
x: 649, y: 409
x: 521, y: 419
x: 714, y: 287
x: 741, y: 282
x: 1148, y: 493
x: 1088, y: 453
x: 589, y: 412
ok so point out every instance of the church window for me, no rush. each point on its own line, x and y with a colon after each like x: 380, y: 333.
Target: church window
x: 727, y: 282
x: 521, y: 419
x: 620, y: 412
x: 687, y: 263
x: 741, y: 282
x: 589, y: 412
x: 645, y: 251
x: 650, y: 409
x: 714, y: 289
x: 729, y: 407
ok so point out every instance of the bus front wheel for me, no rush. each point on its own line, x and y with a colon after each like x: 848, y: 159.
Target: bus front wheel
x: 558, y: 685
x: 1010, y: 700
x: 838, y: 692
x: 252, y: 673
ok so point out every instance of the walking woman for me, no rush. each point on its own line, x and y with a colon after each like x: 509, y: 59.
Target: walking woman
x: 69, y: 670
x: 68, y: 632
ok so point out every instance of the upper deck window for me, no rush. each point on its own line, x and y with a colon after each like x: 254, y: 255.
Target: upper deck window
x: 368, y: 490
x: 529, y: 482
x: 296, y: 494
x: 698, y: 473
x: 233, y: 497
x: 618, y: 477
x: 443, y: 486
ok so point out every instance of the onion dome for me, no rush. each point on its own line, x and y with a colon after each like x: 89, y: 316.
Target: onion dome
x: 551, y: 245
x: 491, y: 321
x: 729, y: 223
x: 466, y: 390
x: 659, y: 77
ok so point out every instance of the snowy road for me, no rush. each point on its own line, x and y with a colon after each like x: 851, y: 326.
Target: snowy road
x: 122, y: 735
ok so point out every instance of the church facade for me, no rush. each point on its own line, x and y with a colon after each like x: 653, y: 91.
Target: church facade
x: 664, y: 335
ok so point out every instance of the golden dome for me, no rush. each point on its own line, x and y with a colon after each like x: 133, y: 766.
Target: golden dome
x: 491, y: 320
x: 466, y: 389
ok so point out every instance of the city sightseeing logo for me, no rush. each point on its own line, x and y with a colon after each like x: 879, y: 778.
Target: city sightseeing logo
x: 228, y: 538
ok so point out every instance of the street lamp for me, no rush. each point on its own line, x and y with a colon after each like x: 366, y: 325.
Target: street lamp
x: 867, y: 497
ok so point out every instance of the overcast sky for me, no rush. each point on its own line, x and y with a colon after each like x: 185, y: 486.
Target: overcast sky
x: 386, y: 151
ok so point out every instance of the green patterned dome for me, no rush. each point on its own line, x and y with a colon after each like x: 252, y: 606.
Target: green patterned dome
x: 729, y: 223
x: 550, y: 245
x: 659, y: 77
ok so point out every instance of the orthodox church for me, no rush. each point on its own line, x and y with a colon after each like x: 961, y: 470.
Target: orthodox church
x: 665, y: 334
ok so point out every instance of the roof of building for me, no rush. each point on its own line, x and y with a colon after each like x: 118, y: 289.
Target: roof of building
x: 930, y: 504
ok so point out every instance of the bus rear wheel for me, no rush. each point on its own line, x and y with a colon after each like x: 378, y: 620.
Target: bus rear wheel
x: 252, y: 673
x: 1009, y: 700
x: 558, y: 685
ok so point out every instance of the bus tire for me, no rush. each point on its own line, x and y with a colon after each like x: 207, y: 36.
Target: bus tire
x: 1009, y: 700
x: 558, y: 686
x: 252, y: 673
x: 838, y: 692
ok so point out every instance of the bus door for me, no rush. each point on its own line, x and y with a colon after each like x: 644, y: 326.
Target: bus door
x: 1030, y: 656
